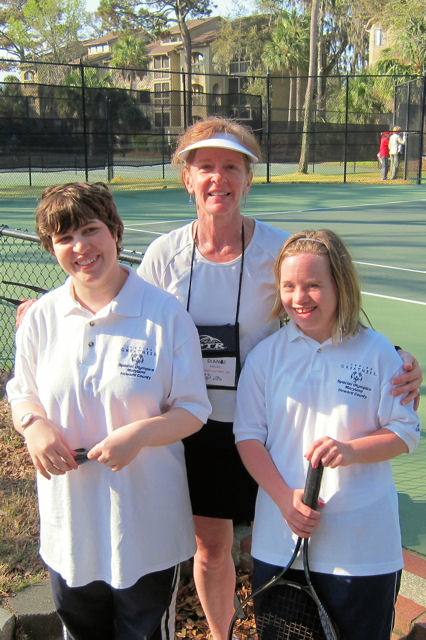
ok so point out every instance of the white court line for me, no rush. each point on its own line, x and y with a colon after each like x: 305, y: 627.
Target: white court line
x: 338, y: 207
x: 160, y: 222
x: 153, y: 233
x: 385, y: 266
x: 378, y: 295
x: 278, y: 213
x: 15, y: 210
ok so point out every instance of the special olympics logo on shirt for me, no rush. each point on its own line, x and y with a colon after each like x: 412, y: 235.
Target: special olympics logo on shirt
x: 356, y: 376
x: 137, y: 359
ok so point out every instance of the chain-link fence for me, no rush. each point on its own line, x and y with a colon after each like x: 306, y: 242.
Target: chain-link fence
x: 410, y: 99
x: 26, y: 271
x: 63, y: 122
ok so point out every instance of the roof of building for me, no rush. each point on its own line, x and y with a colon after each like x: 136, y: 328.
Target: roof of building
x: 164, y: 45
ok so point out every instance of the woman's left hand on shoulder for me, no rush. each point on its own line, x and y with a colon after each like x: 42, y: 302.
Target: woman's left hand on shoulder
x: 408, y: 384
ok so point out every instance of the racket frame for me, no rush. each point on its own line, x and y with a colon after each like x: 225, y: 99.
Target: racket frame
x: 310, y: 498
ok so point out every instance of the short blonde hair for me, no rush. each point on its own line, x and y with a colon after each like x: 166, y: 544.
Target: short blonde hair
x: 71, y: 205
x: 328, y: 244
x: 208, y: 128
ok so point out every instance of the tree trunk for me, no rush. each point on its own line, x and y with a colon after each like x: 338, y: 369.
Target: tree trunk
x: 291, y: 98
x: 187, y: 53
x: 306, y: 136
x: 298, y: 93
x: 320, y: 67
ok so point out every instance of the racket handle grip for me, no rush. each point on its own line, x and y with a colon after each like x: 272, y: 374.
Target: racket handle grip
x: 312, y: 486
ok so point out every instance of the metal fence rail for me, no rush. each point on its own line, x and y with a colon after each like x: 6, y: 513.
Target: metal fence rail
x: 26, y: 270
x: 66, y: 120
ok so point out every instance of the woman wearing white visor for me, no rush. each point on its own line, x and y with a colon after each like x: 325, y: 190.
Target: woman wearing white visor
x: 220, y: 267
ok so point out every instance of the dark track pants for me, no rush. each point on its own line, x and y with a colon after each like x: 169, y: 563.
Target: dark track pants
x: 97, y: 611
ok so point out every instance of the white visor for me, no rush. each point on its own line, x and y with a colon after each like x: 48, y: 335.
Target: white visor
x: 220, y: 141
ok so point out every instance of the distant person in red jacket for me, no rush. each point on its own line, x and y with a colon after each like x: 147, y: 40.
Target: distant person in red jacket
x: 383, y: 154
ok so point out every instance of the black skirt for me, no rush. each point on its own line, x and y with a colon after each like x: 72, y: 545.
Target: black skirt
x: 219, y: 485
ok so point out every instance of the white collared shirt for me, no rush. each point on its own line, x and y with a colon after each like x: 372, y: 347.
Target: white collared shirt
x: 92, y: 373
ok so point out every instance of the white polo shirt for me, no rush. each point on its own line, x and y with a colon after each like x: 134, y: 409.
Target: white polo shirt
x: 92, y: 373
x: 292, y: 391
x: 214, y: 290
x: 396, y: 142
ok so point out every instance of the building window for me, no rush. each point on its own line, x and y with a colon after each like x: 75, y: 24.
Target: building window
x: 237, y: 85
x: 162, y: 94
x: 162, y: 119
x: 99, y: 48
x: 379, y: 37
x: 197, y: 94
x: 241, y: 106
x: 239, y: 66
x: 29, y: 76
x: 161, y: 67
x: 216, y: 98
x: 172, y: 39
x: 197, y: 62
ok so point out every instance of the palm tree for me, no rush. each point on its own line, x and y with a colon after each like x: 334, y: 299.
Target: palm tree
x: 130, y: 52
x: 71, y: 104
x: 287, y: 49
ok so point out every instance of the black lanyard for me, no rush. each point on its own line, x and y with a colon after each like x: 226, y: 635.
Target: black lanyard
x: 240, y: 279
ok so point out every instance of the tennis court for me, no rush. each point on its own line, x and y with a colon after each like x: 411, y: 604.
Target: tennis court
x: 385, y: 229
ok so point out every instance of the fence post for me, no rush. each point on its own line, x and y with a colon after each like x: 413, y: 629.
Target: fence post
x: 268, y: 127
x: 345, y: 151
x: 83, y: 105
x: 394, y: 100
x: 422, y: 129
x: 163, y: 142
x: 110, y: 155
x: 183, y: 94
x: 27, y: 109
x: 406, y: 128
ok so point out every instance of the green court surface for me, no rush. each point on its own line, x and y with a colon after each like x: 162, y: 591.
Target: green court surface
x: 385, y: 229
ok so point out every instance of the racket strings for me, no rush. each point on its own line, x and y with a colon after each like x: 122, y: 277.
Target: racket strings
x: 288, y: 613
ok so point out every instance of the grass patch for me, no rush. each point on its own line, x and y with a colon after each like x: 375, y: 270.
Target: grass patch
x: 20, y: 564
x: 323, y: 174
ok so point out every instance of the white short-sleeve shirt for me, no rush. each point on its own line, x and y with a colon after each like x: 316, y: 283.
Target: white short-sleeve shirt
x: 92, y: 373
x: 214, y: 289
x: 292, y: 391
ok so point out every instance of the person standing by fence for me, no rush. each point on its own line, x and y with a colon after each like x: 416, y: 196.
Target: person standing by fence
x: 396, y: 143
x: 383, y: 154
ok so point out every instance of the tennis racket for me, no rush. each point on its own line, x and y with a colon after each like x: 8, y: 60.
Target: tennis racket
x: 288, y: 610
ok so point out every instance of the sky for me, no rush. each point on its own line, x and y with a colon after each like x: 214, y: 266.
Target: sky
x: 225, y: 8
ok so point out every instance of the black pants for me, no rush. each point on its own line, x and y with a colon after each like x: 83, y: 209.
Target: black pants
x: 97, y: 611
x: 361, y: 606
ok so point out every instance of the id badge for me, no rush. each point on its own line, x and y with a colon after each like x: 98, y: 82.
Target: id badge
x: 220, y: 349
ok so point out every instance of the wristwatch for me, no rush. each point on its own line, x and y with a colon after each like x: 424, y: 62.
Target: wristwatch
x: 27, y: 419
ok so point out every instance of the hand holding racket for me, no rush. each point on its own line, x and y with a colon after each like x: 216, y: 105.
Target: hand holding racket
x: 288, y: 610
